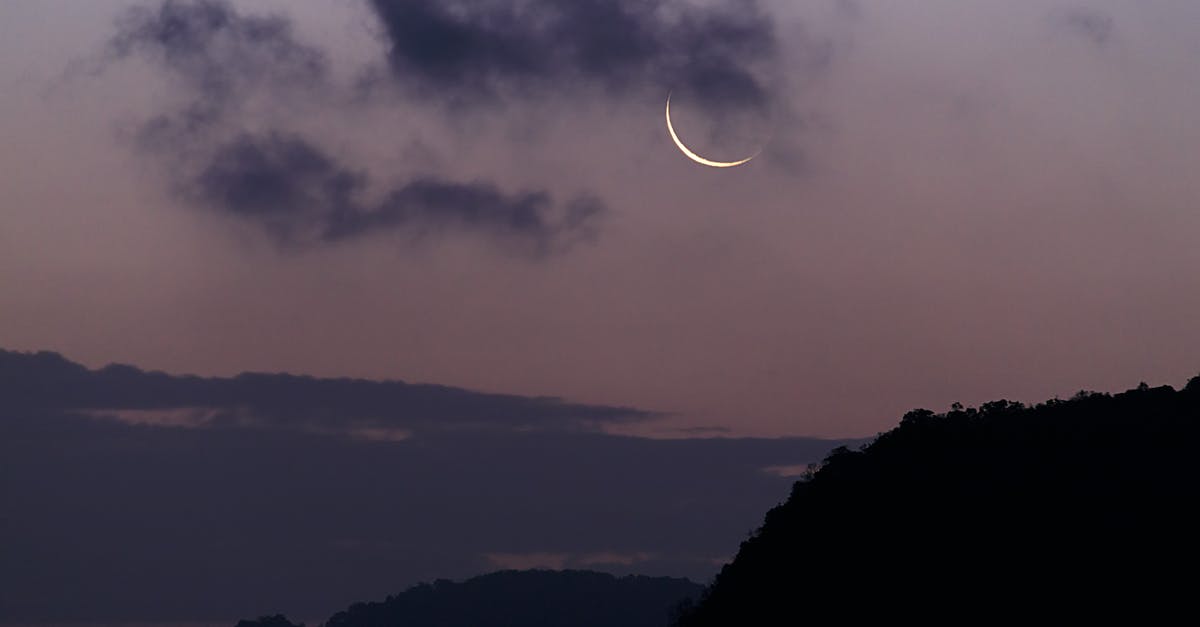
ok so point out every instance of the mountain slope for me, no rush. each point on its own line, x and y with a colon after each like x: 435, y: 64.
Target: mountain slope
x: 1071, y: 508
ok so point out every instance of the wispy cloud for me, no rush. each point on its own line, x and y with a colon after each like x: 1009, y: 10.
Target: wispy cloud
x: 1093, y: 24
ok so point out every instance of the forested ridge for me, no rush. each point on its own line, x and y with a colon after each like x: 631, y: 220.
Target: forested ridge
x: 1078, y: 507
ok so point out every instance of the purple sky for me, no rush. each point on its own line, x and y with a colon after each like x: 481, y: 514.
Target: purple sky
x: 962, y: 201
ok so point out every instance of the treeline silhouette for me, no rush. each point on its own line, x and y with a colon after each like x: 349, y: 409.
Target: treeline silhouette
x: 1069, y: 510
x: 529, y: 598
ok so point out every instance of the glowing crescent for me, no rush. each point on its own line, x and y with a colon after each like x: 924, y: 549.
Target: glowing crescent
x: 695, y: 157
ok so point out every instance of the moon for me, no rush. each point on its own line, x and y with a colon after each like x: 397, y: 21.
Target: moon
x: 695, y: 157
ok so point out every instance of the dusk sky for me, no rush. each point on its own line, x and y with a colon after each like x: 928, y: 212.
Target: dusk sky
x: 948, y: 201
x: 958, y: 201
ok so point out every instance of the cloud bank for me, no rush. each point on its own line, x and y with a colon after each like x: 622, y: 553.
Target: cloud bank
x: 47, y: 381
x: 143, y: 520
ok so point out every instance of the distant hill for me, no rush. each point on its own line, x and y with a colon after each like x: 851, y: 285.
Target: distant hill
x: 530, y: 598
x: 1069, y: 510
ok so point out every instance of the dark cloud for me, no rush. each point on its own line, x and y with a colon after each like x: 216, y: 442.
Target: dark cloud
x: 218, y: 51
x: 482, y: 50
x: 1095, y: 25
x: 221, y: 57
x: 340, y: 406
x: 281, y: 181
x: 430, y: 205
x: 103, y: 520
x: 284, y: 181
x: 299, y: 193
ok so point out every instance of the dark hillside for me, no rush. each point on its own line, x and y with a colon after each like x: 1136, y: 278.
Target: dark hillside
x: 1071, y: 508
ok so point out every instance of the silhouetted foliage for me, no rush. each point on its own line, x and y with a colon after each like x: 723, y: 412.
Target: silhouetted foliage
x: 1069, y: 508
x: 534, y: 598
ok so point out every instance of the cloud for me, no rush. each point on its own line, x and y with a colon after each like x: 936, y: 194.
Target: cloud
x: 284, y: 181
x: 281, y: 181
x: 430, y: 205
x: 176, y: 523
x: 370, y: 410
x: 1093, y: 24
x: 217, y: 51
x: 220, y: 58
x: 486, y: 50
x: 300, y: 194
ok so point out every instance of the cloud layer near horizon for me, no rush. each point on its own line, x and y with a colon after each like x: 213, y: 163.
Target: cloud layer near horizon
x: 295, y: 496
x: 347, y: 407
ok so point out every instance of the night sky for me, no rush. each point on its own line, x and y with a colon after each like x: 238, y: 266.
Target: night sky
x: 954, y: 201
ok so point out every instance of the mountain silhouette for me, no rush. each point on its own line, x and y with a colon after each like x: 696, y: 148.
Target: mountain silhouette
x: 1067, y: 511
x: 528, y: 598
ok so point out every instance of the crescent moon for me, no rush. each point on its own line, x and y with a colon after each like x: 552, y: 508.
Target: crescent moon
x: 695, y: 157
